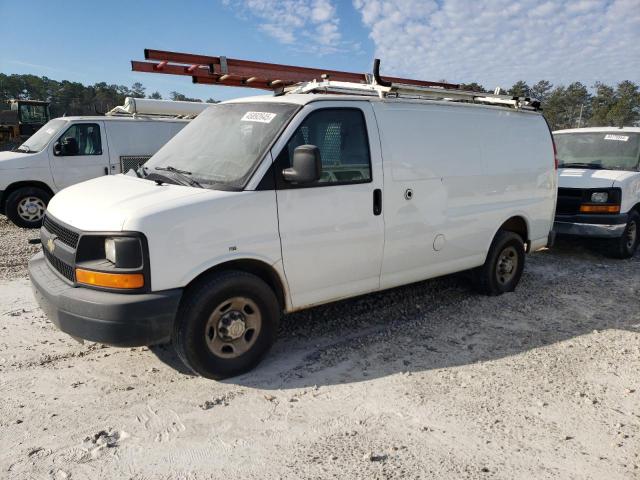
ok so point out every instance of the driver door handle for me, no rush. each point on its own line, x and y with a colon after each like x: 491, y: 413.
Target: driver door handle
x: 377, y: 201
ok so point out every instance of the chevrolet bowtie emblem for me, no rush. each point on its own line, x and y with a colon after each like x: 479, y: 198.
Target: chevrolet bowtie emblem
x: 51, y: 245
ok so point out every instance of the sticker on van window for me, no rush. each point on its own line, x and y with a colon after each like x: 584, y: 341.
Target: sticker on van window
x: 262, y: 117
x: 620, y: 138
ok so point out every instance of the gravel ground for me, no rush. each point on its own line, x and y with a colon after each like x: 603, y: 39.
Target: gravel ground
x: 16, y: 249
x: 424, y: 381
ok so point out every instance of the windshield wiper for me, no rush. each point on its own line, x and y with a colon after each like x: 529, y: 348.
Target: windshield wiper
x: 592, y: 166
x: 184, y: 174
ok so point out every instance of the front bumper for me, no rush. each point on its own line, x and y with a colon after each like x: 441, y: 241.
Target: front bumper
x: 596, y: 226
x: 119, y: 319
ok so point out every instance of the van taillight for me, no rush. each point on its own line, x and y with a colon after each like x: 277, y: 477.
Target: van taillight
x: 555, y: 153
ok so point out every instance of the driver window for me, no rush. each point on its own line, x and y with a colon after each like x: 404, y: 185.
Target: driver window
x: 86, y: 136
x: 341, y: 136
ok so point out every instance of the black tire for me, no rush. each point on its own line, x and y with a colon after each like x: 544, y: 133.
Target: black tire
x: 627, y: 244
x: 15, y: 203
x: 193, y: 334
x: 507, y: 248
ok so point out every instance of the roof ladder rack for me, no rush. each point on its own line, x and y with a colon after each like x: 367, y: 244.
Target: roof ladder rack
x: 284, y: 79
x: 232, y: 72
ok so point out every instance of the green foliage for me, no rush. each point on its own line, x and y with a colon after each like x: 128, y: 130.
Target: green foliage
x: 472, y: 87
x: 176, y: 96
x: 71, y: 98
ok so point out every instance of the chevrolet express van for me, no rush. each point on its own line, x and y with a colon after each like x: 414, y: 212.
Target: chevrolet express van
x: 69, y: 150
x: 599, y: 186
x: 273, y: 204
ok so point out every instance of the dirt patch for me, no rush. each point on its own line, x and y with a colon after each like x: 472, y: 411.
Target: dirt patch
x: 424, y: 381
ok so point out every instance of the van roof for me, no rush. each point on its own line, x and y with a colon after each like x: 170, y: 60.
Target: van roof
x: 139, y: 118
x: 305, y: 98
x: 599, y: 129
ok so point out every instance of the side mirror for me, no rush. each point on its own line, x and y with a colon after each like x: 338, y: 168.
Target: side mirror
x: 57, y: 148
x: 70, y: 146
x: 306, y: 165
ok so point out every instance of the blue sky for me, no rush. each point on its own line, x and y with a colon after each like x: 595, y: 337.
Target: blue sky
x: 493, y: 42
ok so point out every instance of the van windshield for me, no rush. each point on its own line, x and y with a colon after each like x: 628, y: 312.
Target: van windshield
x: 599, y: 150
x: 42, y: 137
x: 222, y: 146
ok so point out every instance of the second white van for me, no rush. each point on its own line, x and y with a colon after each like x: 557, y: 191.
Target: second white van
x: 69, y: 150
x: 267, y: 205
x: 599, y: 186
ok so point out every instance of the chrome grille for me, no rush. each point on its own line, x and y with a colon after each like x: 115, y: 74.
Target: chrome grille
x: 64, y: 269
x: 63, y: 234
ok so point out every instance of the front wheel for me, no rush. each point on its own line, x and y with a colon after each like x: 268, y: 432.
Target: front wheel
x: 26, y: 206
x: 627, y: 244
x: 503, y: 267
x: 226, y: 324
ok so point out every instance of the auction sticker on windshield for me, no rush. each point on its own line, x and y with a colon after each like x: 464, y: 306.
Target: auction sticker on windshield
x: 262, y: 117
x: 620, y: 138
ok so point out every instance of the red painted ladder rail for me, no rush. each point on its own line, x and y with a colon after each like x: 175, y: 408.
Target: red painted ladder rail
x: 246, y: 73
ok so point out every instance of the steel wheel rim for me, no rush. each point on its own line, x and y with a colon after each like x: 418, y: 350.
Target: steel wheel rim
x: 233, y: 327
x: 632, y: 231
x: 507, y: 265
x: 31, y: 209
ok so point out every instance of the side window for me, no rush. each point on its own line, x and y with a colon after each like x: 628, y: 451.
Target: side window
x: 84, y: 136
x: 341, y: 136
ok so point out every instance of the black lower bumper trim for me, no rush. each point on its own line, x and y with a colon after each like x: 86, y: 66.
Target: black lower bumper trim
x: 595, y: 219
x: 124, y: 320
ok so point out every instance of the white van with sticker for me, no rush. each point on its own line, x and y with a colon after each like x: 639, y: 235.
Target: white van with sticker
x: 273, y: 204
x: 599, y: 186
x: 69, y: 150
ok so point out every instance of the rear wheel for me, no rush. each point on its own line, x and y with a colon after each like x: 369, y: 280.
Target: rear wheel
x: 26, y: 206
x: 503, y: 267
x: 226, y: 324
x: 627, y: 244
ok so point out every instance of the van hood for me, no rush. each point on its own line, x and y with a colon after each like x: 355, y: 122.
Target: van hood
x: 107, y: 203
x: 589, y: 178
x: 13, y: 160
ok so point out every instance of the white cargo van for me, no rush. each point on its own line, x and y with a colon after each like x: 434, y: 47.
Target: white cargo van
x: 69, y: 150
x: 599, y: 186
x: 266, y: 205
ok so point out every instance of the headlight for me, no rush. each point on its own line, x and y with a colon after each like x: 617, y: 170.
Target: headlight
x: 110, y: 250
x: 599, y: 197
x: 123, y: 252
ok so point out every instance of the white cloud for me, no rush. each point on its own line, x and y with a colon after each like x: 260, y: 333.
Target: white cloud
x: 496, y: 42
x: 296, y: 22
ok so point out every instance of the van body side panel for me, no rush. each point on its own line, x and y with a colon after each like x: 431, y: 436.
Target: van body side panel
x: 520, y: 170
x: 469, y: 169
x: 138, y: 138
x: 431, y: 153
x: 233, y: 225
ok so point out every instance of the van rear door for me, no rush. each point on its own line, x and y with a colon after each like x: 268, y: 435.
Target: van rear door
x: 332, y: 236
x: 89, y: 161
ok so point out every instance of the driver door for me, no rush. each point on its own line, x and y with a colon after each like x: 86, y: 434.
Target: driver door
x: 331, y: 231
x: 91, y: 159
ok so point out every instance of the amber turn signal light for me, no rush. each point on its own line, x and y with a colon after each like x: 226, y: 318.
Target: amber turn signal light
x: 110, y: 280
x: 599, y: 208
